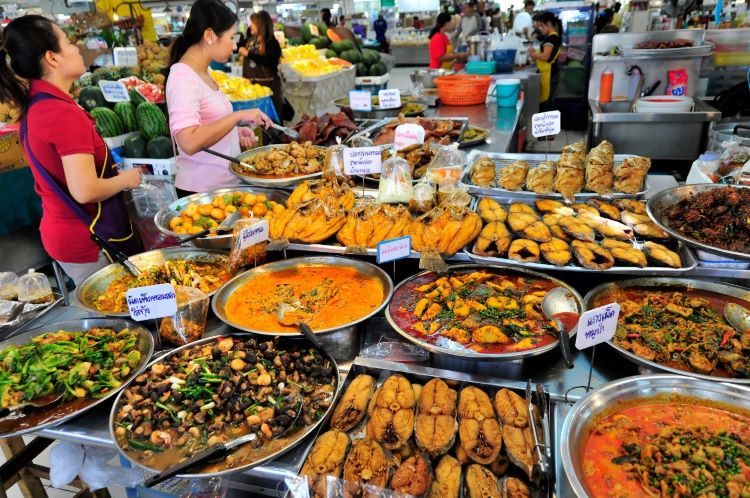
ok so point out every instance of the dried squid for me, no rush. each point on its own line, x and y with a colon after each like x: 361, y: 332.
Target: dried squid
x: 436, y: 425
x: 352, y: 406
x: 447, y: 479
x: 478, y: 429
x: 391, y: 418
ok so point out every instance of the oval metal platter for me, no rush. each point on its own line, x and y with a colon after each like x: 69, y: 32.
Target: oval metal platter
x: 269, y: 180
x: 60, y: 412
x: 482, y: 135
x: 290, y: 440
x: 674, y: 283
x: 470, y: 354
x: 369, y: 269
x: 662, y: 201
x: 97, y: 284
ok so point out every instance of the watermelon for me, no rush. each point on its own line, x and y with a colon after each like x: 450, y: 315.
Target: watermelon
x: 151, y: 121
x: 126, y: 112
x: 351, y: 56
x: 322, y: 28
x: 135, y: 97
x: 294, y: 42
x: 159, y: 148
x: 330, y: 54
x: 104, y: 73
x: 378, y: 69
x: 370, y: 57
x: 340, y: 46
x: 362, y: 69
x: 108, y: 124
x: 318, y: 42
x: 306, y: 32
x: 347, y: 44
x: 134, y: 147
x: 91, y: 97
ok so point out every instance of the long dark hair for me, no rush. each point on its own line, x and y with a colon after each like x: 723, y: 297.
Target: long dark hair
x: 204, y: 14
x: 264, y: 25
x: 442, y: 19
x: 25, y: 40
x: 547, y: 17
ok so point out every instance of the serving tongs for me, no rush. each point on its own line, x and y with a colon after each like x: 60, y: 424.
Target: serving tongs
x: 539, y: 423
x: 116, y: 255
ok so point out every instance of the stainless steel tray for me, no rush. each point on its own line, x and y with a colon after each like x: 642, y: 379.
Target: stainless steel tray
x: 271, y: 181
x: 676, y: 283
x: 381, y: 370
x: 372, y: 131
x: 97, y: 284
x: 485, y: 134
x: 502, y: 159
x: 60, y: 412
x: 336, y: 249
x: 30, y: 312
x: 702, y: 50
x: 473, y: 355
x: 602, y: 400
x: 662, y: 201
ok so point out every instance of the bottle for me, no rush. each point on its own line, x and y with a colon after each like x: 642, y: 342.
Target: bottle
x: 605, y: 85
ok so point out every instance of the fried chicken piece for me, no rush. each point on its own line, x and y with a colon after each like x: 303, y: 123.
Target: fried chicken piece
x: 576, y: 228
x: 556, y: 251
x: 490, y: 210
x: 631, y: 173
x: 483, y: 172
x: 524, y: 250
x: 625, y: 252
x: 605, y: 208
x: 513, y: 176
x: 663, y: 255
x: 553, y: 206
x: 529, y: 226
x: 493, y: 240
x: 591, y: 255
x: 511, y: 408
x: 541, y: 177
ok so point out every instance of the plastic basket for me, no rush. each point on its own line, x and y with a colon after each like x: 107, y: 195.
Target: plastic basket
x: 480, y: 67
x: 462, y: 89
x: 504, y: 59
x: 265, y: 104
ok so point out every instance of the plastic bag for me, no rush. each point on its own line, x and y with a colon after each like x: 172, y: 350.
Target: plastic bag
x: 451, y: 193
x: 424, y: 197
x: 448, y: 163
x: 678, y: 82
x: 34, y: 288
x: 333, y: 165
x: 188, y: 324
x: 143, y: 204
x: 733, y: 157
x: 395, y: 181
x: 8, y: 286
x: 243, y: 253
x: 90, y: 463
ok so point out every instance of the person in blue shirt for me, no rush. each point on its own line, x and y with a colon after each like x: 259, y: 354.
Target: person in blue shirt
x: 380, y: 27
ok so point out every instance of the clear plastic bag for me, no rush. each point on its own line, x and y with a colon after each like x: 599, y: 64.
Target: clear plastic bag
x: 143, y: 203
x: 34, y: 288
x: 333, y: 165
x: 8, y: 286
x: 188, y: 324
x: 733, y: 157
x: 91, y: 464
x: 451, y: 193
x: 447, y: 164
x: 241, y: 254
x: 424, y: 197
x: 395, y: 181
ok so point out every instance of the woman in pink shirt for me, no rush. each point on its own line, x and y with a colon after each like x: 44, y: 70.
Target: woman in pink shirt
x: 200, y: 115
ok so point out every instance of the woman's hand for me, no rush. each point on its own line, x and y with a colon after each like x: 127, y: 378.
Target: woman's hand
x: 254, y: 117
x: 248, y: 138
x: 131, y: 178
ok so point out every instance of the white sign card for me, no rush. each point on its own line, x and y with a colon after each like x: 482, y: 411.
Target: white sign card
x: 254, y: 234
x: 408, y: 134
x: 544, y: 124
x: 125, y: 56
x: 114, y: 91
x: 393, y: 249
x: 389, y: 99
x: 360, y: 100
x: 152, y: 301
x: 362, y: 160
x: 597, y: 325
x: 314, y: 30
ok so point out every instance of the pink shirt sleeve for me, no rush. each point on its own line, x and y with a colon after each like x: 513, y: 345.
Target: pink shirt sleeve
x: 183, y: 98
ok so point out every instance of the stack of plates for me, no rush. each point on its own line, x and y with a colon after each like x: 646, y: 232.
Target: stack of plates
x: 664, y: 104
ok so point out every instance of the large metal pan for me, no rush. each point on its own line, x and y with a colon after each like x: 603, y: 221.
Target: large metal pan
x: 163, y: 217
x: 474, y: 355
x: 734, y: 291
x: 626, y: 392
x: 223, y: 294
x: 287, y: 442
x: 269, y: 180
x: 26, y: 421
x: 661, y: 202
x: 97, y: 284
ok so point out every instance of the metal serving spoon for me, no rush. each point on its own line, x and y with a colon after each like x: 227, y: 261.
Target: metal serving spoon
x: 283, y: 315
x: 560, y: 300
x: 227, y: 224
x: 40, y: 402
x: 738, y: 317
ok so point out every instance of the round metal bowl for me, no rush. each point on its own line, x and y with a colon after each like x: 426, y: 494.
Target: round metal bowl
x: 290, y: 440
x: 427, y: 76
x: 369, y: 269
x: 662, y: 201
x: 269, y: 181
x: 97, y: 284
x: 224, y: 241
x: 474, y: 355
x: 378, y: 112
x: 58, y: 413
x: 734, y: 291
x: 626, y: 392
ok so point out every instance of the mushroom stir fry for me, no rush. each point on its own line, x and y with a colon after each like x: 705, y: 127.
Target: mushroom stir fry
x: 219, y: 391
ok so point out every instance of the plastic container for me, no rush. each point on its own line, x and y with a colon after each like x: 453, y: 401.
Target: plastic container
x: 188, y: 324
x: 462, y: 89
x: 481, y: 67
x: 664, y: 104
x: 710, y: 260
x: 8, y: 286
x: 34, y: 288
x: 605, y: 85
x: 372, y: 84
x: 504, y: 59
x: 265, y: 104
x: 506, y: 92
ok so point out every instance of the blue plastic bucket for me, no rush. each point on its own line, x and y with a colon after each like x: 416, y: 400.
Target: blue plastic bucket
x: 504, y: 59
x: 506, y: 92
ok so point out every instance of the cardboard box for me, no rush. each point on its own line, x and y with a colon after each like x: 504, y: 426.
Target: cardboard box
x: 119, y: 140
x: 11, y: 150
x: 156, y: 167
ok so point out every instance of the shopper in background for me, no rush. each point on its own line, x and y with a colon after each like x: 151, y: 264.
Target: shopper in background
x: 262, y: 55
x: 546, y: 58
x: 73, y: 171
x: 359, y: 29
x: 342, y: 21
x: 380, y: 27
x: 200, y: 115
x: 441, y: 50
x: 326, y: 17
x: 522, y: 21
x: 418, y: 24
x: 470, y: 25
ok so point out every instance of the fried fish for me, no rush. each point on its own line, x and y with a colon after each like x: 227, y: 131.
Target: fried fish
x: 643, y: 225
x: 553, y: 222
x: 529, y: 226
x: 490, y: 210
x: 625, y: 252
x: 662, y: 255
x: 553, y: 206
x: 541, y: 177
x: 591, y: 255
x: 631, y: 173
x: 481, y: 483
x: 493, y: 240
x: 436, y: 424
x: 576, y: 228
x: 513, y: 176
x: 512, y: 487
x: 352, y: 406
x: 556, y: 251
x: 326, y: 458
x: 511, y: 408
x: 519, y: 446
x: 599, y: 165
x: 483, y: 172
x: 447, y: 481
x: 391, y: 420
x: 605, y: 208
x: 524, y: 250
x: 369, y: 463
x: 413, y: 477
x: 479, y: 432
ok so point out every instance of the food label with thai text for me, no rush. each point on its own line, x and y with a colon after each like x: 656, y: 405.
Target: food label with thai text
x: 597, y: 325
x: 114, y: 91
x: 393, y: 249
x: 408, y: 134
x: 151, y: 301
x: 360, y: 100
x: 254, y: 234
x: 389, y: 99
x: 544, y: 124
x: 362, y: 161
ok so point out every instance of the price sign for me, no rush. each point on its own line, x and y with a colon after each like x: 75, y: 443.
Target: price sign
x: 408, y: 134
x: 597, y: 325
x: 314, y: 30
x: 362, y: 160
x: 393, y: 249
x: 152, y: 301
x: 114, y: 91
x: 125, y: 56
x: 360, y: 101
x: 545, y: 123
x: 389, y: 99
x: 254, y: 234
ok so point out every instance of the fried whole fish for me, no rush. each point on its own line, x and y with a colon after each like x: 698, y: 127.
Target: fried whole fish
x: 556, y: 251
x: 662, y: 254
x: 591, y: 255
x: 391, y: 421
x: 541, y: 177
x: 483, y: 172
x: 490, y: 210
x: 413, y: 477
x: 553, y: 206
x: 625, y: 252
x: 513, y: 176
x: 631, y: 173
x: 519, y: 446
x: 352, y: 406
x: 447, y: 478
x: 599, y: 165
x: 366, y: 226
x: 631, y: 205
x: 369, y: 463
x: 607, y: 228
x: 445, y: 229
x: 481, y: 483
x: 478, y: 429
x: 524, y: 250
x: 331, y: 189
x: 568, y: 182
x: 326, y: 458
x: 436, y: 424
x: 493, y: 240
x: 576, y: 228
x: 308, y: 222
x: 529, y: 226
x: 511, y: 408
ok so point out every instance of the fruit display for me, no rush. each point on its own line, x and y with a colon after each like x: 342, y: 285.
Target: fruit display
x: 367, y: 61
x: 315, y: 34
x: 306, y: 60
x: 151, y: 120
x: 108, y: 123
x: 237, y: 88
x: 299, y: 53
x: 152, y: 58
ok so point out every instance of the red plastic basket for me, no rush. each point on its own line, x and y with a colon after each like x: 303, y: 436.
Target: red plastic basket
x: 462, y: 89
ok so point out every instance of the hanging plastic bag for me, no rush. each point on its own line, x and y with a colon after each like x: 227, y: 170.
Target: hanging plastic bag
x: 395, y: 181
x: 144, y: 203
x: 90, y: 463
x: 448, y: 163
x: 424, y: 197
x: 248, y: 250
x: 733, y: 157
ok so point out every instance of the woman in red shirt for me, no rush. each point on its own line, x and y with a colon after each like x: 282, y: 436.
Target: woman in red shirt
x: 441, y: 52
x: 73, y: 170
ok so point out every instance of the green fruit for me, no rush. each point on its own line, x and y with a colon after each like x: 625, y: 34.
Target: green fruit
x: 319, y: 42
x: 339, y: 46
x: 91, y: 97
x: 378, y: 69
x: 362, y: 69
x: 159, y: 148
x: 347, y: 44
x: 370, y: 57
x: 306, y: 32
x: 322, y: 29
x: 125, y: 72
x: 126, y: 112
x: 330, y: 54
x: 134, y: 147
x: 294, y: 42
x: 151, y: 121
x: 325, y: 41
x: 104, y: 73
x: 351, y: 56
x: 136, y: 98
x: 108, y: 124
